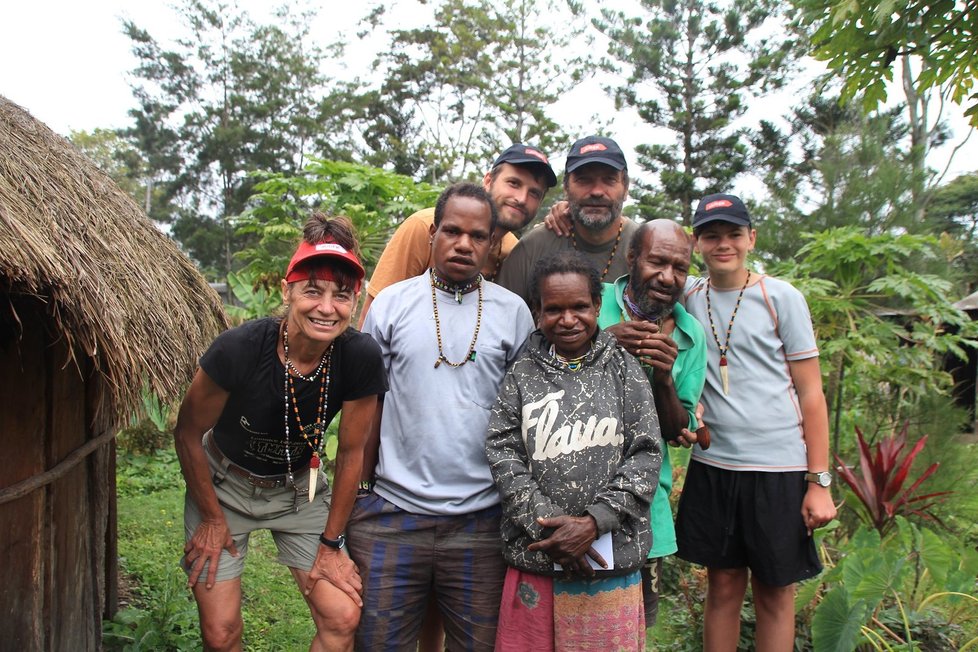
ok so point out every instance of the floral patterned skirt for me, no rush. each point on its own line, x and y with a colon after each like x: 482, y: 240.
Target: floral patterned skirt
x: 547, y: 614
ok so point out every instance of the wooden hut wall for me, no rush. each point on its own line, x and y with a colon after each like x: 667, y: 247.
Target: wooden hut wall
x: 53, y: 539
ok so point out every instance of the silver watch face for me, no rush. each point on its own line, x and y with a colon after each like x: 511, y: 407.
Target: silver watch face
x: 824, y: 479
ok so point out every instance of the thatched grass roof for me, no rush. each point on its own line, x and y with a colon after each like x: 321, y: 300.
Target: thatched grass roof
x: 114, y: 285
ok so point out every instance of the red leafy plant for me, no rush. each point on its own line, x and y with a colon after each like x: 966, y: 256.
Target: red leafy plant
x: 884, y: 468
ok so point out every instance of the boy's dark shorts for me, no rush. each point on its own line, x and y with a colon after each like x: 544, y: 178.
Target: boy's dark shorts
x: 736, y: 519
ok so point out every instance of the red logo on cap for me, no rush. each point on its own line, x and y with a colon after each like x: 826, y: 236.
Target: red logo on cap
x: 539, y: 155
x: 719, y: 203
x: 593, y: 147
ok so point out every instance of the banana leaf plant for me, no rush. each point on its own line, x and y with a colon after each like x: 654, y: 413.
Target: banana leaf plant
x: 884, y: 486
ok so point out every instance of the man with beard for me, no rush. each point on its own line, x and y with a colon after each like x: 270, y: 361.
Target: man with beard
x: 642, y: 310
x: 517, y: 182
x: 595, y: 186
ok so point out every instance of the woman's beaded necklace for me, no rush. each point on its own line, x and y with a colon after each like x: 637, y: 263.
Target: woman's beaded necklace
x: 318, y: 427
x: 724, y: 378
x: 572, y: 364
x: 459, y: 291
x: 611, y: 258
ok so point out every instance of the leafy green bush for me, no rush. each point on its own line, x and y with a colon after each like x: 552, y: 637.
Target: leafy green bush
x: 885, y: 592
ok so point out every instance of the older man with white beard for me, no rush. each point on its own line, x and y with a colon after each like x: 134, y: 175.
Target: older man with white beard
x: 595, y: 187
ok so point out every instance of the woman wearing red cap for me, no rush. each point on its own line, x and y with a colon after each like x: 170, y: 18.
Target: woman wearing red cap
x: 251, y: 434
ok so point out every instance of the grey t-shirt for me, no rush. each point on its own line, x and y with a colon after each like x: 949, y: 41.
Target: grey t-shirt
x: 541, y: 241
x: 758, y: 425
x: 433, y: 430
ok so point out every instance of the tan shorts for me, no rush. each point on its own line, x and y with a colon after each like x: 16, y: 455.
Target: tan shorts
x: 248, y: 508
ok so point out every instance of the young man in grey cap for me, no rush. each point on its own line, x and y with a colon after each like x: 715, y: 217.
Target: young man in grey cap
x: 517, y: 182
x: 595, y: 186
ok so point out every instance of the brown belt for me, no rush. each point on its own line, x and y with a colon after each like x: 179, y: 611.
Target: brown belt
x: 255, y: 480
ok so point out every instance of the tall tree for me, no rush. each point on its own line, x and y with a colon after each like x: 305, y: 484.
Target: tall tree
x: 230, y: 97
x: 691, y: 65
x: 935, y: 45
x: 480, y: 76
x: 842, y: 169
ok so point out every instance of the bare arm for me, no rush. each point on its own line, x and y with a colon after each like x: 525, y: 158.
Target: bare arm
x: 817, y: 508
x: 199, y: 411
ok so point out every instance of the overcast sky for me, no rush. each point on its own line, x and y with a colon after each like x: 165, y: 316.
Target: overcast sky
x: 67, y: 63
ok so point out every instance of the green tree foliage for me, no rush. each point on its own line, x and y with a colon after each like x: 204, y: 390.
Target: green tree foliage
x: 228, y: 98
x: 479, y: 77
x: 843, y: 169
x: 882, y: 327
x: 953, y: 212
x: 860, y: 39
x: 692, y: 65
x: 375, y: 200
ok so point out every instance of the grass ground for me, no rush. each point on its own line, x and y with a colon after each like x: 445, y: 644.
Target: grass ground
x: 163, y: 615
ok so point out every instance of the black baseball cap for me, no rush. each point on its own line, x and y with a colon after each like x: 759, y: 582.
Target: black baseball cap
x: 595, y: 149
x: 520, y: 154
x: 721, y: 207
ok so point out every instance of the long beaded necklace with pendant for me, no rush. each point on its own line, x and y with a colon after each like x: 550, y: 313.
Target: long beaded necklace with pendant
x: 724, y: 378
x: 458, y: 289
x: 611, y: 258
x: 437, y: 283
x: 318, y: 428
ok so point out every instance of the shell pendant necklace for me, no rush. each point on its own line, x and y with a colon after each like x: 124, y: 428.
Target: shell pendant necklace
x: 723, y: 348
x: 318, y: 427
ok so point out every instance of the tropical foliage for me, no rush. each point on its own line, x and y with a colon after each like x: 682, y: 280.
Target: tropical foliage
x: 882, y: 479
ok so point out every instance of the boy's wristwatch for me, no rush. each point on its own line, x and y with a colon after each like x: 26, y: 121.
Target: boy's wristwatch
x: 822, y: 478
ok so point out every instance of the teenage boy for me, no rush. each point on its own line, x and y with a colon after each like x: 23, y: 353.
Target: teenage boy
x: 752, y: 500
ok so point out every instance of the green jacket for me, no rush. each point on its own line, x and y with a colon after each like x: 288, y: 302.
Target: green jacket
x: 688, y: 375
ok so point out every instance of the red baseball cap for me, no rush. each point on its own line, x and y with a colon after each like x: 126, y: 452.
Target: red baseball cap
x: 325, y: 249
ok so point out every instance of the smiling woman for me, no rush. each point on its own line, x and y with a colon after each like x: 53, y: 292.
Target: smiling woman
x: 573, y: 447
x: 251, y: 433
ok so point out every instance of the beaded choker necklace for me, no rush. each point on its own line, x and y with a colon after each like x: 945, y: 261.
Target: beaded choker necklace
x: 470, y: 356
x: 318, y: 427
x: 645, y: 316
x: 458, y: 289
x: 724, y: 378
x: 611, y: 258
x: 572, y: 364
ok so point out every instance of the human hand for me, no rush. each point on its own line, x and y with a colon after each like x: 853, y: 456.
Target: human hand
x: 685, y: 439
x: 817, y: 508
x: 570, y: 543
x: 558, y: 219
x: 208, y: 541
x: 336, y: 567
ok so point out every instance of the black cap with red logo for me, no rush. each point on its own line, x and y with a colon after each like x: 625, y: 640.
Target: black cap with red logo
x: 520, y: 154
x: 721, y: 207
x: 595, y: 149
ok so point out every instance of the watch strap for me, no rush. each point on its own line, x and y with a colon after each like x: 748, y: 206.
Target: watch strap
x: 337, y: 543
